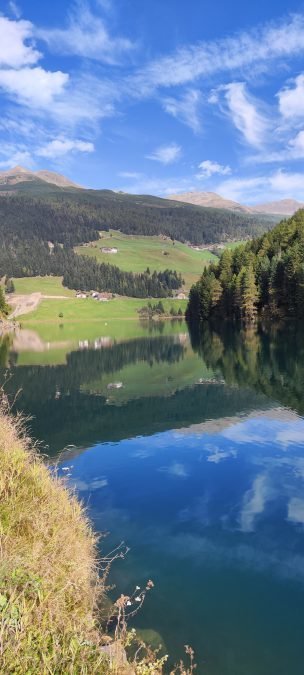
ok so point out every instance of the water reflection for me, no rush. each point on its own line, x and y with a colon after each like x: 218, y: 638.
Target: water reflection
x: 270, y: 361
x: 197, y: 462
x: 164, y: 384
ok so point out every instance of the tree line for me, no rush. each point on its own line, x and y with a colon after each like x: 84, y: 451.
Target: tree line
x: 36, y: 258
x: 265, y: 277
x: 75, y: 217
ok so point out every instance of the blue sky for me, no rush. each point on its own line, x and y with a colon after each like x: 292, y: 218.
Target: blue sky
x: 156, y: 97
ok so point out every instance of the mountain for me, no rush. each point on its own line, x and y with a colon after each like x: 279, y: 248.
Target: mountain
x: 49, y: 207
x: 211, y: 200
x: 21, y: 175
x: 283, y: 207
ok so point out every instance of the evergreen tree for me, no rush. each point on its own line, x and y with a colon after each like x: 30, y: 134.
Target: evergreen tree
x: 4, y: 309
x: 249, y: 294
x: 265, y: 276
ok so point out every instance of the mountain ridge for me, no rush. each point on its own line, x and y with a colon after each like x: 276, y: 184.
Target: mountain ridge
x: 20, y: 174
x: 18, y: 177
x: 283, y: 207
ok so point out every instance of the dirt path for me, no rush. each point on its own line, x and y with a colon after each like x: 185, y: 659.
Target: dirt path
x: 23, y: 304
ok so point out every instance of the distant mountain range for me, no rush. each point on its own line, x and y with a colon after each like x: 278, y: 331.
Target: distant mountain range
x: 21, y: 175
x: 17, y: 177
x: 284, y: 207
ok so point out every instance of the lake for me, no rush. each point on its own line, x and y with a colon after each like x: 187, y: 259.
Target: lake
x: 190, y: 449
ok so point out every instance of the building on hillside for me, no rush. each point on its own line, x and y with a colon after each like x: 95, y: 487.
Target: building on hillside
x: 104, y: 296
x: 81, y: 295
x: 109, y: 249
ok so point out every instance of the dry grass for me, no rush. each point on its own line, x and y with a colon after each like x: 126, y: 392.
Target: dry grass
x: 52, y: 596
x: 49, y: 583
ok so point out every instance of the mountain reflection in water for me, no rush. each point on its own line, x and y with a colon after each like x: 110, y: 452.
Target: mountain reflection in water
x: 197, y: 462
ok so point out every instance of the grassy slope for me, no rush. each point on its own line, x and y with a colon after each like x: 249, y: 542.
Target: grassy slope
x: 136, y: 253
x: 82, y: 319
x: 78, y: 310
x: 48, y: 582
x: 44, y: 285
x: 87, y: 319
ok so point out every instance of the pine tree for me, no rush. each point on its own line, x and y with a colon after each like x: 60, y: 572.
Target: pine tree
x: 249, y: 294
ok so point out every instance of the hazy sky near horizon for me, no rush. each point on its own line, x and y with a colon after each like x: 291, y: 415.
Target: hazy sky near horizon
x: 157, y: 97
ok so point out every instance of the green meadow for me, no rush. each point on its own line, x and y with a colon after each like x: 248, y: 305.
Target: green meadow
x: 44, y: 285
x: 136, y: 253
x: 71, y: 320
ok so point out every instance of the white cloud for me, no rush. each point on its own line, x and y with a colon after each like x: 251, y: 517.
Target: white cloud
x: 254, y: 503
x: 15, y: 9
x: 277, y: 185
x: 176, y: 469
x: 287, y: 183
x: 87, y: 36
x: 62, y: 146
x: 297, y: 145
x: 185, y: 108
x: 33, y: 86
x: 291, y: 99
x: 12, y: 156
x: 231, y: 54
x: 219, y: 455
x: 14, y: 53
x: 157, y: 186
x: 244, y: 113
x: 207, y: 168
x: 296, y: 510
x: 292, y: 435
x: 166, y: 154
x: 130, y: 174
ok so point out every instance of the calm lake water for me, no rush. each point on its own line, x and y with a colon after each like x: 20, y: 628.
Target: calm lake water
x: 191, y: 450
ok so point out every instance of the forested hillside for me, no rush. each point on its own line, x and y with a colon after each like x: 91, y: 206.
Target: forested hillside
x: 41, y: 223
x: 36, y: 258
x: 264, y: 277
x: 72, y: 216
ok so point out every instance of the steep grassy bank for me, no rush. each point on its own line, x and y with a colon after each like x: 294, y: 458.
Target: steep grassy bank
x: 49, y: 586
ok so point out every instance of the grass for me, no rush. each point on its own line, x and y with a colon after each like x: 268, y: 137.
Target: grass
x: 49, y: 586
x: 89, y: 319
x: 44, y: 285
x: 136, y: 253
x: 78, y: 309
x: 52, y: 599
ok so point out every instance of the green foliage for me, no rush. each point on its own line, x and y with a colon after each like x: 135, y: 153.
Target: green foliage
x: 39, y: 226
x: 34, y: 258
x: 75, y: 216
x: 9, y: 285
x: 265, y: 276
x: 267, y: 360
x: 4, y: 308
